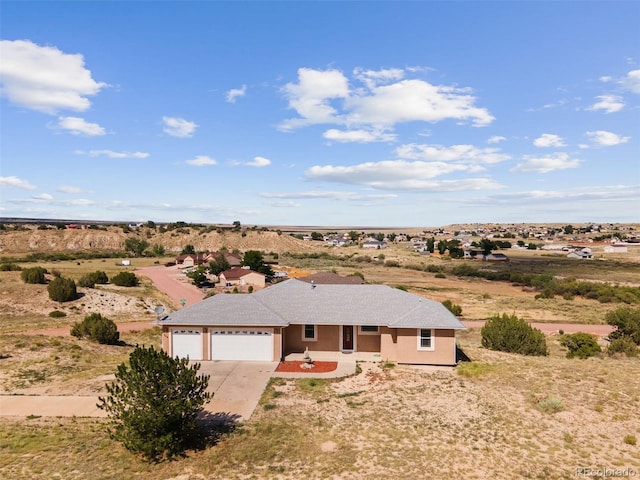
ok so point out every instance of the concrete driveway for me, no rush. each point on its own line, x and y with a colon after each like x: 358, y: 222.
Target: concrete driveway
x: 237, y: 386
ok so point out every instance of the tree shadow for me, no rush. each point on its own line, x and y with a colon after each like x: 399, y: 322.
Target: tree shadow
x: 214, y: 426
x: 461, y: 356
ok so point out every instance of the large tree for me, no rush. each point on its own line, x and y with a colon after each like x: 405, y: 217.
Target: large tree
x: 255, y: 261
x: 153, y: 403
x: 135, y: 247
x: 219, y: 264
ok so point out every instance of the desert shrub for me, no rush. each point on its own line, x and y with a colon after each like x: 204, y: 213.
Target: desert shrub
x: 622, y: 345
x: 626, y: 321
x: 440, y: 275
x: 10, y: 267
x: 453, y: 307
x: 98, y: 328
x: 33, y: 275
x: 434, y: 268
x: 391, y: 263
x: 57, y: 314
x: 508, y: 333
x: 125, y: 279
x: 90, y: 279
x: 550, y: 405
x: 62, y: 289
x: 630, y: 439
x: 580, y: 344
x: 154, y: 402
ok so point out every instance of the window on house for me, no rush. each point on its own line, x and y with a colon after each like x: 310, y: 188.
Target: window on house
x: 309, y: 332
x: 369, y: 329
x: 425, y: 339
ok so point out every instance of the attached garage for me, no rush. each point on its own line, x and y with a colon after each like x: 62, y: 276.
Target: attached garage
x: 186, y: 343
x: 242, y: 344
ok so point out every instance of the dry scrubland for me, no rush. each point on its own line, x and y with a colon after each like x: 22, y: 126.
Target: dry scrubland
x: 501, y: 416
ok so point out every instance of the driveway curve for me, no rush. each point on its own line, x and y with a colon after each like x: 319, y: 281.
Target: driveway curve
x: 173, y: 282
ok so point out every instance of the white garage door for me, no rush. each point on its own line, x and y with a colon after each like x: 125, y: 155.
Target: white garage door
x: 254, y: 345
x: 187, y: 343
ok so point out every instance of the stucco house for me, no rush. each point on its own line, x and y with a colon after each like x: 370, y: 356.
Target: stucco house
x: 294, y: 315
x: 241, y: 277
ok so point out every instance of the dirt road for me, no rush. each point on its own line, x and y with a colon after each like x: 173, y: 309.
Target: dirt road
x: 171, y: 280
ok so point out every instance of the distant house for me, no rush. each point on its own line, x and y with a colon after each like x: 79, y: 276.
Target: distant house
x: 237, y: 276
x: 616, y: 248
x: 581, y: 255
x: 193, y: 259
x: 374, y: 244
x: 495, y: 257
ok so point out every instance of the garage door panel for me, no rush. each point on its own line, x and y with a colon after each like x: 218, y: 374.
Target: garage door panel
x: 252, y: 345
x: 187, y: 343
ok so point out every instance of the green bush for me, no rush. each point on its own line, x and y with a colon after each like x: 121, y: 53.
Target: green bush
x: 550, y: 405
x: 57, y: 314
x: 622, y: 345
x: 90, y: 279
x: 580, y: 344
x: 154, y: 402
x: 453, y: 307
x: 630, y: 439
x: 626, y: 321
x: 62, y: 289
x: 10, y: 267
x: 125, y: 279
x: 33, y: 275
x: 98, y: 328
x: 508, y: 333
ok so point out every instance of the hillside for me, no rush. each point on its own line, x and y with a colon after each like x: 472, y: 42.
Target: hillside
x: 30, y: 240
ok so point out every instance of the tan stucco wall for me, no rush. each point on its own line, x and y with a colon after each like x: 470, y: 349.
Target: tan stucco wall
x: 166, y: 340
x: 328, y: 339
x: 401, y: 345
x: 367, y: 343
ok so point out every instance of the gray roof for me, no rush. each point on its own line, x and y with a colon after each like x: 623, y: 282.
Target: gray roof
x: 296, y: 302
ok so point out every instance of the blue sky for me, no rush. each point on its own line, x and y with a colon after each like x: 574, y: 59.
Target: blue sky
x: 321, y: 113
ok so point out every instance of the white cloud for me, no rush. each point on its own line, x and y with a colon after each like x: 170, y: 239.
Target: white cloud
x: 178, y: 127
x: 400, y: 175
x: 259, y: 162
x: 606, y: 193
x: 358, y: 136
x: 549, y: 140
x: 608, y: 103
x: 201, y: 161
x: 69, y: 189
x: 235, y: 93
x: 385, y: 100
x: 112, y: 154
x: 44, y: 78
x: 546, y: 164
x: 15, y: 182
x: 310, y: 96
x: 79, y: 126
x: 606, y: 139
x: 606, y: 79
x: 82, y: 202
x: 496, y: 139
x: 632, y: 81
x: 454, y: 153
x: 44, y: 197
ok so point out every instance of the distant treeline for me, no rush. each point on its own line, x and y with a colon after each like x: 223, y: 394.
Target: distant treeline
x: 59, y: 256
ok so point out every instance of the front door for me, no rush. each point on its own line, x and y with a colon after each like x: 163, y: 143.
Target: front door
x: 347, y: 337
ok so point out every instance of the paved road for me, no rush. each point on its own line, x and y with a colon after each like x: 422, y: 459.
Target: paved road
x: 601, y: 330
x: 170, y: 280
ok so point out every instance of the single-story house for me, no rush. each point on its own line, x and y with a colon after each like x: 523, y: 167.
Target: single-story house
x: 193, y: 259
x: 495, y: 257
x: 582, y: 255
x: 292, y: 316
x: 241, y: 277
x: 616, y: 248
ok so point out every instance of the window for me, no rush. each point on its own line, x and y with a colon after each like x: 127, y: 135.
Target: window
x: 425, y: 339
x: 309, y: 332
x: 369, y: 329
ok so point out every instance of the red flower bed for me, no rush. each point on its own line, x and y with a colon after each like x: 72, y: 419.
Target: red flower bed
x: 295, y: 366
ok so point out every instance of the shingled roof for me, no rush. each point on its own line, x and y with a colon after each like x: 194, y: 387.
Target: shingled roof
x: 296, y: 302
